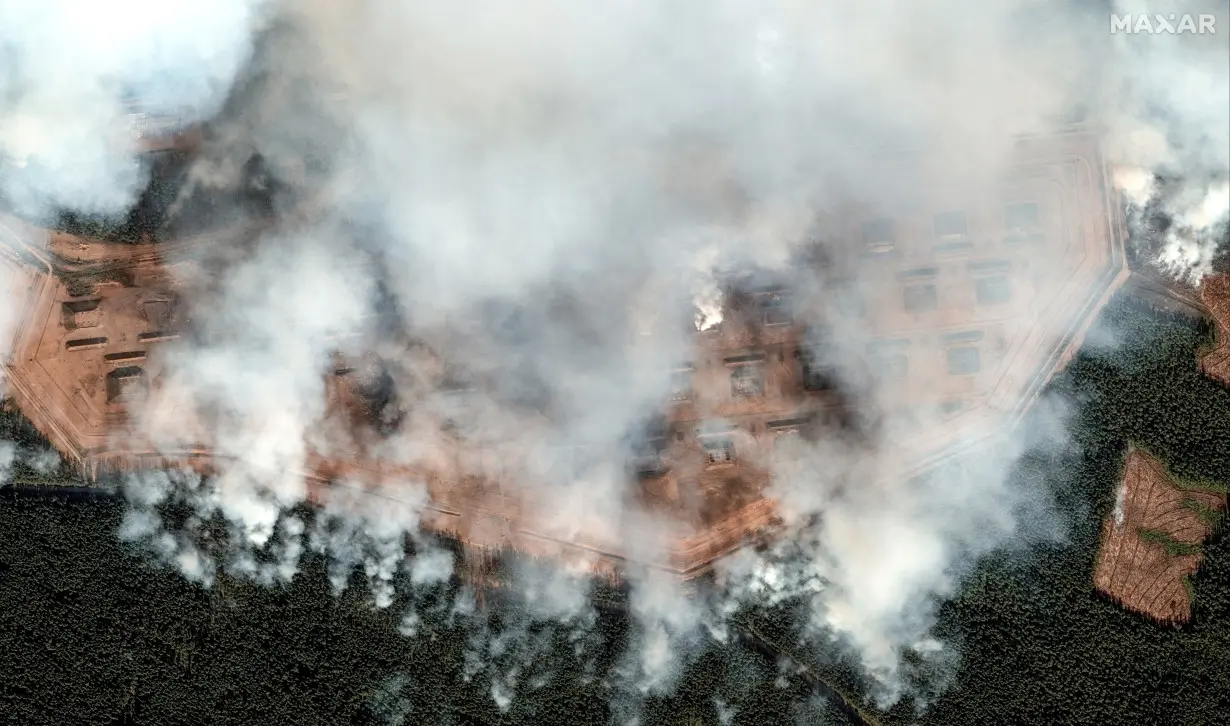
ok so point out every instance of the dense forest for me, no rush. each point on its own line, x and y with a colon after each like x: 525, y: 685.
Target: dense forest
x: 143, y: 221
x: 93, y: 633
x: 169, y: 205
x: 1037, y: 645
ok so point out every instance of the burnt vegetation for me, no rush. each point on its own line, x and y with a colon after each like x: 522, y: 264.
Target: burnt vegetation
x: 143, y: 221
x: 93, y: 633
x: 1152, y: 223
x: 377, y: 399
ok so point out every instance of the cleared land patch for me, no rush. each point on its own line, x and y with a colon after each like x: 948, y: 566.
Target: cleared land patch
x: 1151, y: 541
x: 1215, y: 294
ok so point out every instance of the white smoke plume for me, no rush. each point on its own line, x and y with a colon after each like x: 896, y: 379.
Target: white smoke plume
x: 524, y: 194
x: 69, y: 65
x: 389, y: 703
x: 1168, y: 115
x: 8, y: 455
x: 8, y: 326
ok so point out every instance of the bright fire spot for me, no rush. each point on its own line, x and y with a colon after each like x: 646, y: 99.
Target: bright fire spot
x: 707, y: 294
x: 708, y: 305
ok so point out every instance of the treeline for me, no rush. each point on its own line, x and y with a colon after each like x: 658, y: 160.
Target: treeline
x: 144, y: 221
x: 1038, y: 645
x: 34, y: 462
x: 92, y: 633
x: 168, y: 207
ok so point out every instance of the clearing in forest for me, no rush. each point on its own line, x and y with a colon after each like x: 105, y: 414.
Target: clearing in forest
x: 1151, y: 541
x: 1215, y: 294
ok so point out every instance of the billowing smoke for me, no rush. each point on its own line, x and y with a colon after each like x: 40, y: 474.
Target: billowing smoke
x: 8, y: 326
x: 71, y: 73
x: 506, y: 213
x: 68, y: 68
x: 1168, y: 120
x: 8, y: 455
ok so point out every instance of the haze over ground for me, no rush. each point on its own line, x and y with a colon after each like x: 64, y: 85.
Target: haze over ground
x: 501, y: 162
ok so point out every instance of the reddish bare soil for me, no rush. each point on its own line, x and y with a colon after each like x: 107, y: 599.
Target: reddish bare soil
x: 1139, y: 573
x: 1215, y: 294
x: 95, y: 317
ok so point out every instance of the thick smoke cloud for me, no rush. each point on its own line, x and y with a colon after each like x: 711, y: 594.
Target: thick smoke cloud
x: 66, y: 68
x: 531, y: 196
x: 1168, y: 117
x: 8, y: 325
x: 8, y: 455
